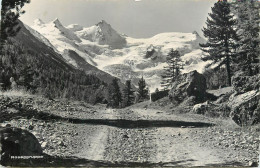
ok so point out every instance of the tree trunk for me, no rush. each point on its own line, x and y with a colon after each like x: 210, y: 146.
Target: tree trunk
x: 250, y: 70
x: 228, y: 70
x: 228, y: 61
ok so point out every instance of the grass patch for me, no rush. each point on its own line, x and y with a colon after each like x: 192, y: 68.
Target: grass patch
x: 15, y: 93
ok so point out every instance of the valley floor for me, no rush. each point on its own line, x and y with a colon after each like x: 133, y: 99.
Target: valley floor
x: 139, y: 136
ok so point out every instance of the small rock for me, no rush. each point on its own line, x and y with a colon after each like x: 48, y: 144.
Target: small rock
x: 30, y: 127
x: 41, y: 124
x: 252, y: 164
x: 61, y: 143
x: 44, y: 145
x: 8, y: 125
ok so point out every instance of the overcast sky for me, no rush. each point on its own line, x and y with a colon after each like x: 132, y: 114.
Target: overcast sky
x: 136, y: 18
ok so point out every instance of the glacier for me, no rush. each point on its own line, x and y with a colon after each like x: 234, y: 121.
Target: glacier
x: 119, y: 55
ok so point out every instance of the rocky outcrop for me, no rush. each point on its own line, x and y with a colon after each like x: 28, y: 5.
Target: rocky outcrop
x: 201, y: 108
x: 245, y: 108
x: 212, y: 109
x: 159, y: 94
x: 244, y: 103
x: 190, y: 84
x: 243, y: 83
x: 17, y: 142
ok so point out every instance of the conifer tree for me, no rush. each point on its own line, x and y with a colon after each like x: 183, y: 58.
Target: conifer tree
x: 221, y: 36
x: 26, y: 78
x: 10, y: 12
x: 115, y: 97
x: 248, y: 17
x: 172, y: 71
x: 128, y: 94
x: 142, y: 89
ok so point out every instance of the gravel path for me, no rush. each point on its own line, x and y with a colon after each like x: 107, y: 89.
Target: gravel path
x: 139, y: 136
x: 165, y: 146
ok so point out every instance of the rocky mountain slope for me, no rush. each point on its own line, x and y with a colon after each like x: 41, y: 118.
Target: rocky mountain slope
x: 68, y: 58
x: 120, y: 55
x: 34, y: 66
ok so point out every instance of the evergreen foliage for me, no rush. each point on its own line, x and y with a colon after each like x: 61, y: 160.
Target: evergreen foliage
x: 10, y: 12
x: 142, y: 89
x: 128, y: 94
x: 221, y: 37
x: 247, y: 13
x: 172, y: 71
x: 36, y: 73
x: 215, y: 78
x: 38, y: 69
x: 115, y: 96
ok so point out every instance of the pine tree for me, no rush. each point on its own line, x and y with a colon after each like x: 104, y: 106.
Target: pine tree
x: 142, y: 89
x: 128, y: 94
x: 11, y: 10
x: 221, y: 37
x: 26, y: 78
x: 248, y: 17
x: 45, y: 76
x: 115, y: 97
x: 172, y: 71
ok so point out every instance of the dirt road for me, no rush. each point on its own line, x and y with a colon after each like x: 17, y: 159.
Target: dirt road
x: 152, y: 136
x: 136, y: 136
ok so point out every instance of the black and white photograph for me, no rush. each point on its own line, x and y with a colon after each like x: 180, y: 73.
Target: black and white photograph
x: 130, y: 83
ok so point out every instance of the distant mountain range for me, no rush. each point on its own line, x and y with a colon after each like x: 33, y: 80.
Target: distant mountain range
x: 38, y: 67
x: 101, y: 50
x: 68, y: 57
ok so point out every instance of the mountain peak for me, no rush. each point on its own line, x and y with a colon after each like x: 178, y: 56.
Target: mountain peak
x: 38, y: 22
x: 196, y: 33
x: 199, y: 38
x: 105, y: 28
x: 56, y: 22
x: 102, y: 22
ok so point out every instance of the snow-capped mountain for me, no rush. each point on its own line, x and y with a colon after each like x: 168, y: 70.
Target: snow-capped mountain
x: 120, y: 55
x: 61, y: 39
x: 102, y: 33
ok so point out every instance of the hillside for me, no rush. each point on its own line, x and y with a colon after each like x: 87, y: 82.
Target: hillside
x: 120, y: 55
x: 36, y: 67
x: 62, y: 41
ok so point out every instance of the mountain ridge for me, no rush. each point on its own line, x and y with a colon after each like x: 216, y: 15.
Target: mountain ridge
x: 52, y: 52
x: 129, y: 61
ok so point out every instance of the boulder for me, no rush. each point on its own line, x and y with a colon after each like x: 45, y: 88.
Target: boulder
x: 245, y: 108
x: 159, y: 94
x: 253, y: 164
x: 211, y: 109
x: 243, y: 83
x: 200, y: 108
x: 189, y: 84
x: 17, y: 142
